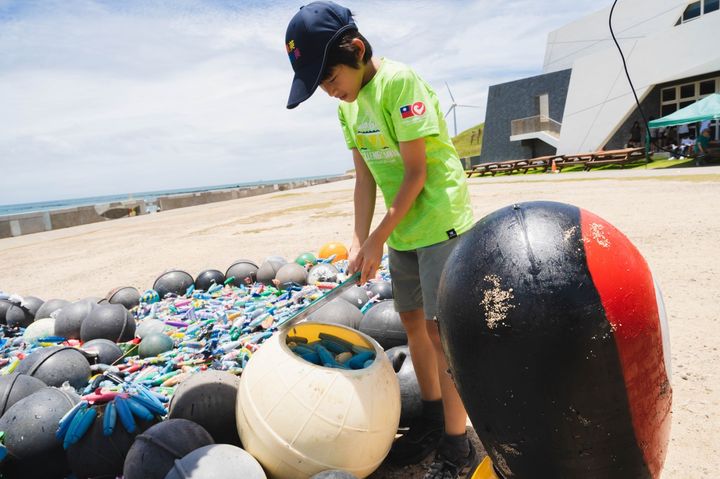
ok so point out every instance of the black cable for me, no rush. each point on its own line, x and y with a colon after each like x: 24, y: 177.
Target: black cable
x: 632, y: 87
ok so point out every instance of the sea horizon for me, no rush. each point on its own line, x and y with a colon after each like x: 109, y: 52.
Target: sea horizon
x: 33, y: 207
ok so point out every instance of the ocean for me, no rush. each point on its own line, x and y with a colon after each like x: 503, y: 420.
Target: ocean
x: 148, y: 196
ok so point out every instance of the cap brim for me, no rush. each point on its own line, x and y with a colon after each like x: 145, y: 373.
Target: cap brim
x: 303, y: 85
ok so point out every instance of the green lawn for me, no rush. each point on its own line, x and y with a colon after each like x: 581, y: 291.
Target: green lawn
x: 469, y: 142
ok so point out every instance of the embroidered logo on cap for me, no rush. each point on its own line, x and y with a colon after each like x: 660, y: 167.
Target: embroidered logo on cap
x: 293, y: 52
x: 416, y: 109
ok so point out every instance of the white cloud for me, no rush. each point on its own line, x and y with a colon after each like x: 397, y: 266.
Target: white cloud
x: 99, y: 99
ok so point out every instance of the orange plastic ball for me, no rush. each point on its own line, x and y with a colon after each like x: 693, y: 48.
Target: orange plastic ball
x: 337, y: 249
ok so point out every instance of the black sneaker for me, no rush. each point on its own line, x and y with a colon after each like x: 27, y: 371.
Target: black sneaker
x: 422, y: 438
x: 446, y: 467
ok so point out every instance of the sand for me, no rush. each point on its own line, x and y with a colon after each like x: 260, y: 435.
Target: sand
x: 670, y: 215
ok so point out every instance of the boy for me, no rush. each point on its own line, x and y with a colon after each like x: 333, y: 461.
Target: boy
x: 393, y: 125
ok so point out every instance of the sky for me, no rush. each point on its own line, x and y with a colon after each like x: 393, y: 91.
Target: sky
x: 101, y: 97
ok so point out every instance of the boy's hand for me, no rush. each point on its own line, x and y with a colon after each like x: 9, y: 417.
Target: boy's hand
x: 366, y: 259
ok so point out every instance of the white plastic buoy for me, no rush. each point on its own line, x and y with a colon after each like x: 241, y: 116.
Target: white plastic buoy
x: 39, y: 329
x: 298, y: 419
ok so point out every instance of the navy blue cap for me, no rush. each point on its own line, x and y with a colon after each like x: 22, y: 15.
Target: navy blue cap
x: 308, y: 35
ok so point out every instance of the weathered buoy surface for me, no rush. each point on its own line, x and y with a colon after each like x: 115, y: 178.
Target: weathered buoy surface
x: 69, y: 319
x: 556, y: 338
x: 174, y: 281
x: 128, y: 296
x: 108, y: 321
x: 56, y: 364
x: 243, y: 271
x: 208, y: 278
x: 291, y: 273
x: 49, y: 307
x: 338, y: 311
x: 154, y: 452
x: 154, y: 344
x: 16, y: 386
x: 104, y: 350
x: 299, y: 419
x: 208, y: 398
x: 356, y: 296
x: 410, y: 397
x: 217, y: 460
x: 383, y: 324
x: 29, y: 426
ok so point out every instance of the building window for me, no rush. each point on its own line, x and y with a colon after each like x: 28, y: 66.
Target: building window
x: 669, y: 94
x: 707, y: 87
x: 697, y: 9
x: 673, y: 98
x: 687, y: 91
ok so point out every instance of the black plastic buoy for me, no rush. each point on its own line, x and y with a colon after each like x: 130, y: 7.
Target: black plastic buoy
x: 96, y: 455
x: 103, y: 350
x: 154, y: 452
x: 174, y: 281
x: 291, y: 273
x: 56, y: 364
x: 30, y: 424
x: 243, y: 270
x: 49, y: 307
x: 215, y: 461
x: 69, y: 319
x: 209, y: 399
x: 14, y: 315
x: 554, y: 332
x: 381, y: 289
x: 16, y: 386
x: 382, y: 323
x: 410, y: 400
x: 268, y: 270
x: 108, y: 321
x: 128, y: 296
x: 334, y: 474
x: 338, y: 311
x: 31, y: 304
x: 207, y: 278
x: 357, y: 296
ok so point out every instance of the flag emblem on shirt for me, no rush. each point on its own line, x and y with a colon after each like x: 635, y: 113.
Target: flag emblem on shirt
x: 416, y: 109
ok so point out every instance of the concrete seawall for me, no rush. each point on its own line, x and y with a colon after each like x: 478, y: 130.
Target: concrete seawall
x: 28, y: 223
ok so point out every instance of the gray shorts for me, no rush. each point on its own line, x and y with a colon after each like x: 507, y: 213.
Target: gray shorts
x: 416, y: 276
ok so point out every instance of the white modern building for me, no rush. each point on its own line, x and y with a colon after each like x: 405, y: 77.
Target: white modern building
x: 583, y: 101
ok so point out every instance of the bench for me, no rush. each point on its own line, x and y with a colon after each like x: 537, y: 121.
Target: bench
x: 616, y: 157
x: 541, y: 162
x: 566, y: 161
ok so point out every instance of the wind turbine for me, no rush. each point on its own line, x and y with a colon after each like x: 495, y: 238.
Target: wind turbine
x: 455, y: 105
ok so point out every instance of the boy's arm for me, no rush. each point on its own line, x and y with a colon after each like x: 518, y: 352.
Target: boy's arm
x: 415, y: 163
x: 364, y: 205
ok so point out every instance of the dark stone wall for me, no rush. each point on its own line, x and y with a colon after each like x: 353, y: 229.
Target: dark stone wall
x: 515, y: 100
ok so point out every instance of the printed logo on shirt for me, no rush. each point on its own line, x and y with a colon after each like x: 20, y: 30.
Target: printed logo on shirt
x: 416, y: 109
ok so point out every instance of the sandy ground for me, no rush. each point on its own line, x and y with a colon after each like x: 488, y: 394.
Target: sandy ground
x: 671, y: 216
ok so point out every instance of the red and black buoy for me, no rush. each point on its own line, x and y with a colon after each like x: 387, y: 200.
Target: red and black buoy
x: 556, y: 337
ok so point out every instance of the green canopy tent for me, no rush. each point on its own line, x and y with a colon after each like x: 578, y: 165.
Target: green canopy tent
x: 706, y: 109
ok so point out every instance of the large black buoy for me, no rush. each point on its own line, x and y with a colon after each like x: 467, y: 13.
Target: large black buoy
x: 174, y: 281
x: 49, y: 307
x: 56, y: 364
x: 338, y: 311
x: 381, y: 289
x: 243, y: 271
x: 554, y: 332
x: 31, y: 304
x: 382, y: 323
x: 208, y: 278
x: 103, y: 351
x: 154, y: 452
x: 149, y: 326
x: 209, y: 399
x: 30, y: 425
x: 16, y: 386
x: 217, y: 460
x: 410, y: 399
x: 69, y: 319
x: 322, y: 273
x: 96, y: 455
x: 334, y: 474
x: 154, y: 344
x: 128, y: 296
x: 268, y: 270
x: 14, y: 315
x: 291, y: 274
x: 108, y: 321
x: 356, y: 295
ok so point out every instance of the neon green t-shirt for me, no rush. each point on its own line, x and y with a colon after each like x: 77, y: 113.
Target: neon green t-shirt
x: 397, y: 105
